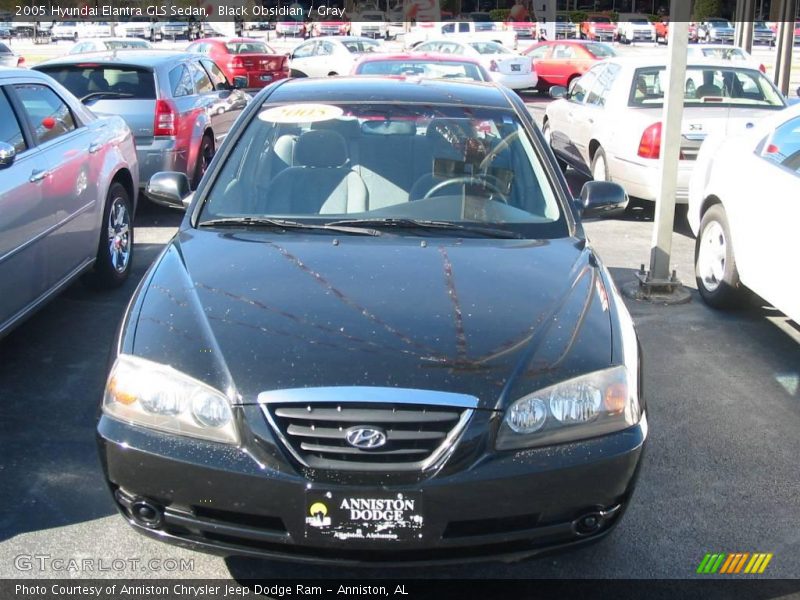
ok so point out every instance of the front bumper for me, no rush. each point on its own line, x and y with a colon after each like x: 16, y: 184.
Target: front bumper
x: 251, y: 501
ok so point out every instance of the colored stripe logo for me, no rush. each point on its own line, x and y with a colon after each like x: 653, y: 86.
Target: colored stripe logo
x: 734, y: 563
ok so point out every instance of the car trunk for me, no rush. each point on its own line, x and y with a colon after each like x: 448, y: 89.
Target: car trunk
x: 112, y: 89
x: 516, y: 65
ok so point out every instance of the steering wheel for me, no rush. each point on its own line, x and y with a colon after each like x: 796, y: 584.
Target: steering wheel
x: 484, y: 179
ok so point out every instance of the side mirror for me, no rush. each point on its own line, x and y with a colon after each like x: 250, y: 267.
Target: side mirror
x: 601, y: 198
x: 169, y: 188
x: 239, y: 82
x: 559, y: 91
x: 7, y: 154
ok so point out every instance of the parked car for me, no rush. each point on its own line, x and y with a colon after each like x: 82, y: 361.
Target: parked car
x: 598, y: 28
x: 505, y: 67
x: 244, y: 57
x: 405, y: 415
x: 178, y: 105
x: 290, y: 29
x: 742, y: 243
x: 329, y: 27
x: 635, y: 28
x: 67, y: 194
x: 9, y: 58
x: 662, y: 30
x: 723, y: 52
x: 715, y: 31
x: 525, y: 30
x: 6, y: 32
x: 762, y: 34
x: 72, y: 30
x: 371, y: 24
x: 608, y: 124
x: 427, y: 66
x: 565, y: 28
x: 110, y: 44
x: 173, y: 30
x: 561, y: 62
x: 322, y: 57
x: 464, y: 31
x: 140, y: 27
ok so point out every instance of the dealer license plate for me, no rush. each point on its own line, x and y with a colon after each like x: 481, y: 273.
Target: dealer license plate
x: 367, y: 516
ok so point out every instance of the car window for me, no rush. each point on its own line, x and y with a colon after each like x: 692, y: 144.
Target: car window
x: 450, y: 48
x: 605, y: 80
x: 304, y: 50
x: 581, y: 87
x: 539, y: 52
x: 10, y: 129
x: 463, y: 27
x: 440, y: 162
x: 201, y: 47
x: 489, y: 48
x: 48, y: 115
x: 85, y: 79
x: 324, y: 49
x: 4, y: 48
x: 360, y: 46
x: 248, y: 48
x: 180, y: 83
x: 599, y: 50
x: 218, y: 78
x: 783, y: 146
x: 564, y: 52
x: 449, y: 28
x: 429, y: 47
x: 202, y: 83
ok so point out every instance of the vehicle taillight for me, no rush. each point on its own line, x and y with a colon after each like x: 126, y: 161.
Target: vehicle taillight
x: 166, y: 121
x: 236, y: 63
x: 772, y: 149
x: 762, y: 68
x: 493, y: 66
x: 650, y: 144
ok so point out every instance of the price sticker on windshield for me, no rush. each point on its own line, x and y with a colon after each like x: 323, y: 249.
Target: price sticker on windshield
x: 300, y: 113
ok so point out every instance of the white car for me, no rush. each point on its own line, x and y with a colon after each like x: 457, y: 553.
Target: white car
x: 744, y: 209
x: 325, y: 56
x: 106, y: 44
x: 370, y: 23
x: 505, y: 67
x: 608, y: 124
x: 724, y: 52
x: 72, y: 30
x: 635, y: 28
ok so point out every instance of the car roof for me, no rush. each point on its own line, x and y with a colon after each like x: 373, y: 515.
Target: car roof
x: 431, y: 56
x: 144, y: 58
x: 634, y: 62
x: 389, y: 90
x: 14, y: 72
x: 226, y: 40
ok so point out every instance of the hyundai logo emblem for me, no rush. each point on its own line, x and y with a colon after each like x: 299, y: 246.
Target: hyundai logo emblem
x: 366, y: 438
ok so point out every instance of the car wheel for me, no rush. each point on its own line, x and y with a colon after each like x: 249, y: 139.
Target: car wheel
x: 715, y: 265
x: 115, y: 252
x: 600, y: 165
x: 204, y: 156
x: 332, y: 74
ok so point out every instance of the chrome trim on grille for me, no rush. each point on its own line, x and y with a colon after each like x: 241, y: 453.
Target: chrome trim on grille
x: 378, y: 395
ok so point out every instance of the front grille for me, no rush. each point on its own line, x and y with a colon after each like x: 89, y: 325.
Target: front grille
x: 417, y: 435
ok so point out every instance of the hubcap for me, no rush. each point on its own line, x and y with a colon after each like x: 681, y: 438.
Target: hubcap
x: 119, y: 235
x: 711, y: 256
x: 599, y: 171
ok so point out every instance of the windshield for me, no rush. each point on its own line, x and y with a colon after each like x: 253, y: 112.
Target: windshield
x: 327, y: 162
x: 724, y: 53
x: 435, y: 69
x: 248, y: 48
x: 707, y: 86
x: 600, y: 50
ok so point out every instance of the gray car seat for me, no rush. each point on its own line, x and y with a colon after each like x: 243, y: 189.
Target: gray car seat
x: 321, y: 182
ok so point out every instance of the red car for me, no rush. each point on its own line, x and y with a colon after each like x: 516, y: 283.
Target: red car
x: 559, y: 62
x: 662, y: 30
x: 422, y: 64
x: 599, y: 28
x: 244, y: 57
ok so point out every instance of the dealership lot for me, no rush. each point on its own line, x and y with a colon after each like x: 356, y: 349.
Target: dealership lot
x: 719, y: 474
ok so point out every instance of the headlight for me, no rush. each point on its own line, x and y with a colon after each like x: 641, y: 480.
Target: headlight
x: 584, y: 407
x: 157, y: 396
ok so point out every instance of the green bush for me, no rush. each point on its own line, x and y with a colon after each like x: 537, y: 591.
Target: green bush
x: 578, y: 16
x: 706, y: 8
x: 499, y: 14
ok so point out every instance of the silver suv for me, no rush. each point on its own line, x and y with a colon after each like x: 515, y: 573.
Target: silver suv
x: 178, y: 105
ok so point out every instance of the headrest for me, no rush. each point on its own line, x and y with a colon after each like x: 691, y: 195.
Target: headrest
x: 321, y: 149
x: 389, y: 128
x: 348, y: 127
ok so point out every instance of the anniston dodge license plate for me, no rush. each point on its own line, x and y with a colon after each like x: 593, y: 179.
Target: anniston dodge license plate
x: 367, y: 516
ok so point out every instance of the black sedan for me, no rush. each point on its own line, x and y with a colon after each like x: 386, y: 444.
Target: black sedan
x: 379, y: 335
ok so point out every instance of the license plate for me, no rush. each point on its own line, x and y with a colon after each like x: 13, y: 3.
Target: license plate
x: 515, y: 67
x: 364, y: 516
x: 265, y: 77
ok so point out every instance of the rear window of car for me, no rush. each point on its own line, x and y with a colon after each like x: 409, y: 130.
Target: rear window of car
x: 707, y: 86
x: 248, y: 48
x: 489, y: 48
x: 90, y: 80
x: 600, y: 50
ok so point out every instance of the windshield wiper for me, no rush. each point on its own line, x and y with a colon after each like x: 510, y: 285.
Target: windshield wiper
x: 105, y: 95
x: 402, y: 223
x: 265, y: 222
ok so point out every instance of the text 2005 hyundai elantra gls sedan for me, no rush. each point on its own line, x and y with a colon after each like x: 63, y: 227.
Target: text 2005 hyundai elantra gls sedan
x: 379, y: 335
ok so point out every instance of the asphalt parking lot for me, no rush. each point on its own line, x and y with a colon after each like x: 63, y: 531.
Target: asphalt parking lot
x: 719, y: 474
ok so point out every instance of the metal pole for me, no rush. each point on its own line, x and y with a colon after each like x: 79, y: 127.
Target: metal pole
x: 738, y: 23
x: 783, y: 65
x: 680, y: 15
x: 748, y: 11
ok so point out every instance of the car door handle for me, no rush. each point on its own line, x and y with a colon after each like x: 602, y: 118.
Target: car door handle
x: 94, y: 147
x: 37, y: 175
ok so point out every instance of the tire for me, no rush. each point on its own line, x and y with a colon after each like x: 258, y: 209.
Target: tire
x: 546, y: 133
x: 600, y: 165
x: 715, y: 265
x: 115, y: 250
x: 204, y: 155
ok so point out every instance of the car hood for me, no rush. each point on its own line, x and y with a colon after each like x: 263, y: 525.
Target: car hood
x: 256, y: 311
